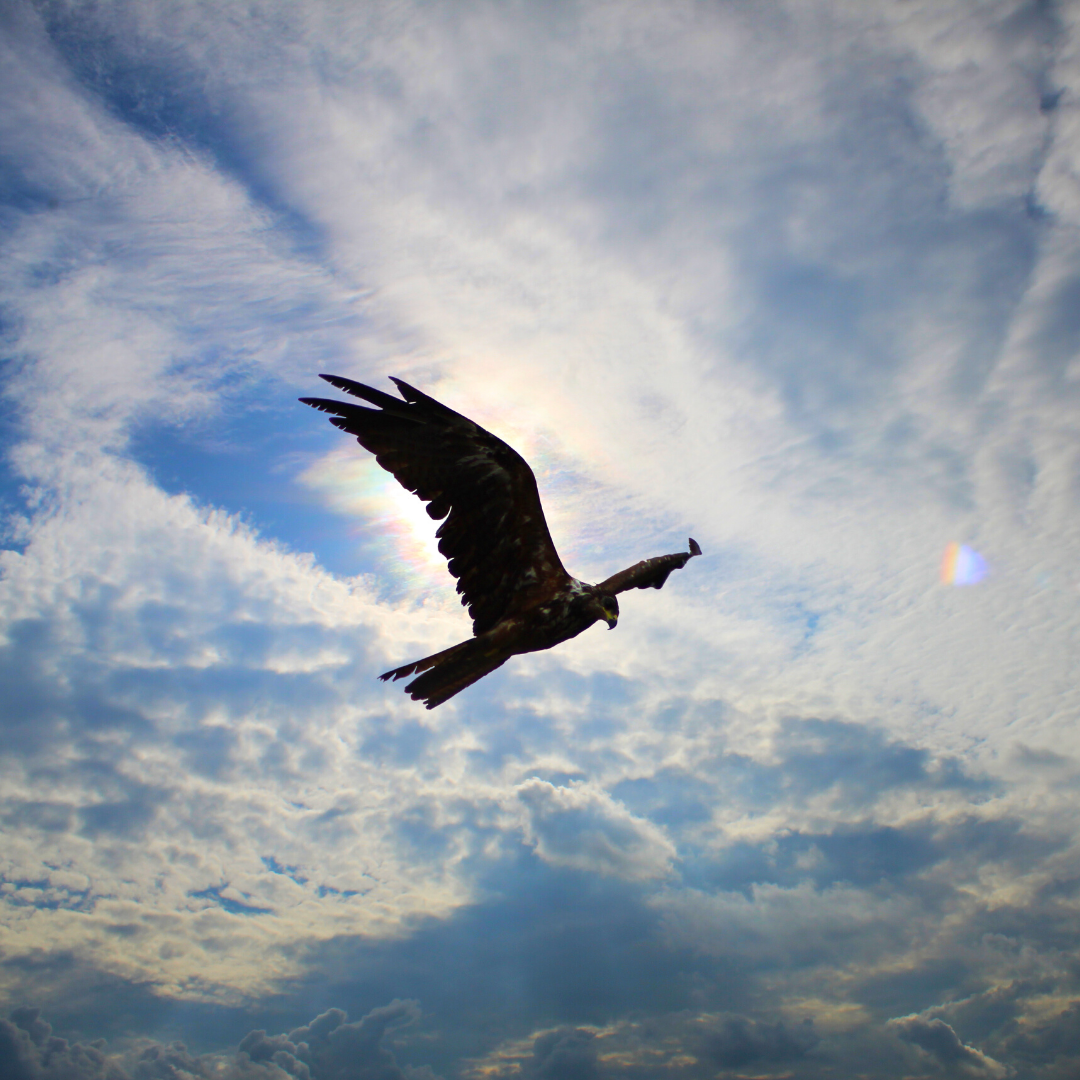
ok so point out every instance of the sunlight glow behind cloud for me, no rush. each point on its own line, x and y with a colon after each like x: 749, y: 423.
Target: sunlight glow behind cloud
x: 383, y: 512
x: 799, y: 279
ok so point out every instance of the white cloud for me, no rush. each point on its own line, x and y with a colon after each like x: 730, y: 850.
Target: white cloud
x: 985, y: 76
x: 189, y: 695
x: 767, y: 276
x: 584, y: 828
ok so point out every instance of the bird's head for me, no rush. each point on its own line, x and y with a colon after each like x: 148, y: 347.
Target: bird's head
x: 605, y: 607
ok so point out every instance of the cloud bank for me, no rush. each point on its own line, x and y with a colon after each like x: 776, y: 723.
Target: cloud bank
x: 797, y: 279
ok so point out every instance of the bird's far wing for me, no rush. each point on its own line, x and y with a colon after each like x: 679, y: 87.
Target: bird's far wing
x: 649, y: 573
x: 495, y: 538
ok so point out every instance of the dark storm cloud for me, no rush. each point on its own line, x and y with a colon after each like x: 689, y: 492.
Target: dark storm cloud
x: 548, y: 947
x: 943, y: 1045
x: 737, y: 1042
x: 328, y: 1048
x: 557, y: 947
x: 331, y: 1048
x: 686, y: 1045
x: 1053, y: 1046
x: 564, y: 947
x: 566, y: 1054
x: 1045, y: 1046
x: 29, y: 1051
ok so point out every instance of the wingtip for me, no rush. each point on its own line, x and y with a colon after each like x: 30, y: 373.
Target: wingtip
x: 410, y: 393
x: 695, y: 547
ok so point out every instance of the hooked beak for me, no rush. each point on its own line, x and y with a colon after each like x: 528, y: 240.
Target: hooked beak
x: 611, y: 621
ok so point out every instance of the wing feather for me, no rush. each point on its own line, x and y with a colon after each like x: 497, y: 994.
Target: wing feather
x: 649, y: 573
x: 493, y: 532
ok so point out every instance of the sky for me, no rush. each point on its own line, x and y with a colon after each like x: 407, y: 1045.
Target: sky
x: 797, y: 278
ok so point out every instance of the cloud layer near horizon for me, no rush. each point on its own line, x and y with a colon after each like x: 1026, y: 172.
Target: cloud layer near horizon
x: 800, y: 279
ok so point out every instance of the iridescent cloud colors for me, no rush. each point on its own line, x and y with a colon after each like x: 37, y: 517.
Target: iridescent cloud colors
x: 395, y: 521
x: 961, y: 565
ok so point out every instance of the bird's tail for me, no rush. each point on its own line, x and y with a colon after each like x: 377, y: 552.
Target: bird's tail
x: 446, y: 673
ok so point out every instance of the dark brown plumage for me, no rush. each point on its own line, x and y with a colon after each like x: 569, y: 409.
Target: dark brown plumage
x: 493, y: 535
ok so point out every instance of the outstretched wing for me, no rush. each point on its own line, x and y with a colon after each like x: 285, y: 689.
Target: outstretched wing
x: 649, y: 573
x: 494, y: 537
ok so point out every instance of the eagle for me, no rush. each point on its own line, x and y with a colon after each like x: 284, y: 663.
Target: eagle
x: 493, y: 535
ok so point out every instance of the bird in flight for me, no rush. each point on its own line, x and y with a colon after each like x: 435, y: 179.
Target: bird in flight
x: 493, y: 535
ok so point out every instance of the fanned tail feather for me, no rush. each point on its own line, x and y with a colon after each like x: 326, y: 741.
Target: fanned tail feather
x: 446, y: 673
x: 423, y: 665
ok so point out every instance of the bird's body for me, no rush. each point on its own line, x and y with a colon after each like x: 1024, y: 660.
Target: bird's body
x: 494, y: 535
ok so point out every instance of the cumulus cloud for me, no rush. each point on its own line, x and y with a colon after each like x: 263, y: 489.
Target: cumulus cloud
x: 326, y: 1049
x: 29, y: 1051
x: 571, y: 1054
x: 678, y: 1044
x: 176, y: 635
x: 737, y: 1042
x: 331, y: 1048
x: 580, y: 827
x: 1050, y: 1046
x: 938, y: 1040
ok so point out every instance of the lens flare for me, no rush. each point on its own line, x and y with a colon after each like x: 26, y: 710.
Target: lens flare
x: 961, y: 565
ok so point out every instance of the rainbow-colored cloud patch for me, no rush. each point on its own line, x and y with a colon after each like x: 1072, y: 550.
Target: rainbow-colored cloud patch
x: 961, y: 565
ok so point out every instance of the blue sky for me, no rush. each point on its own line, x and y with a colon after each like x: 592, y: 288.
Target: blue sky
x: 799, y: 279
